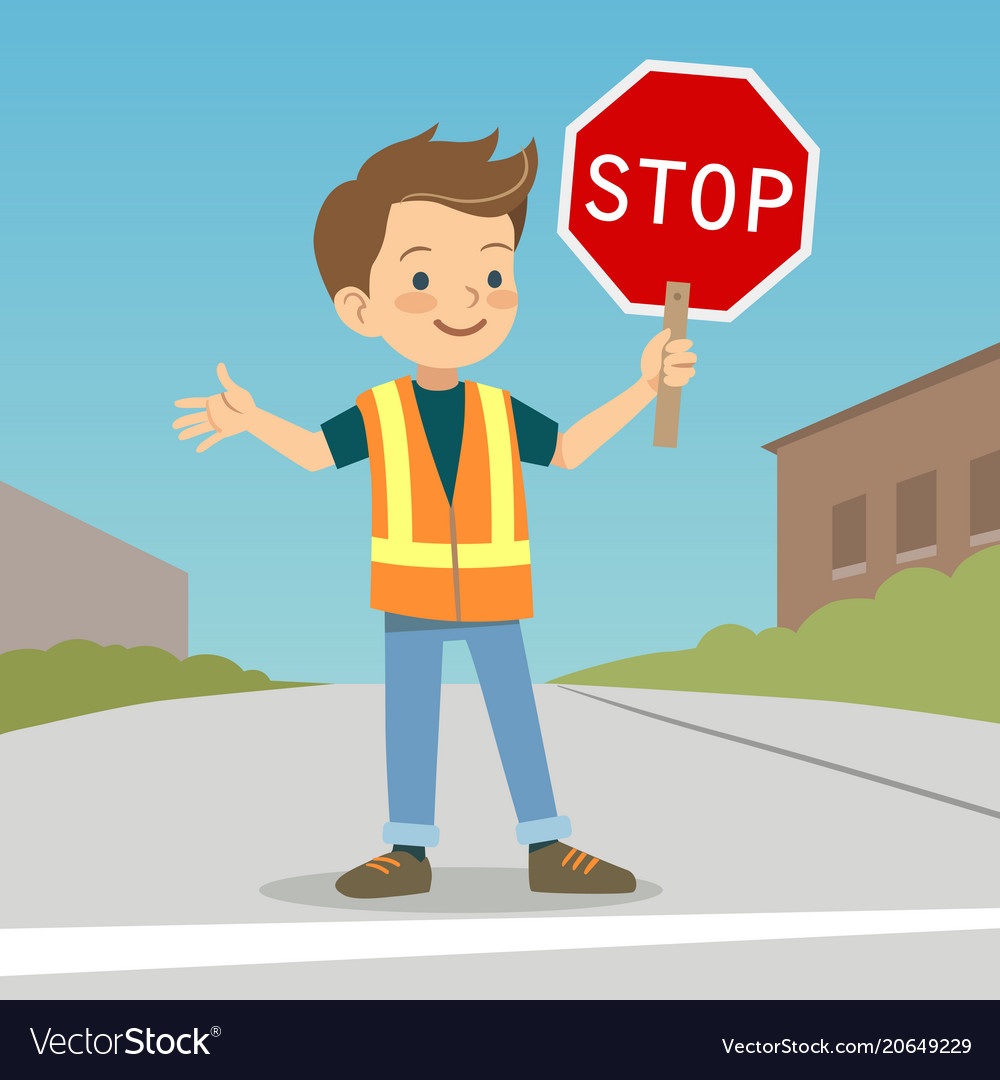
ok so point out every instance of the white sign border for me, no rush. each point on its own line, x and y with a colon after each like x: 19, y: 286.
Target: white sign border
x: 677, y: 67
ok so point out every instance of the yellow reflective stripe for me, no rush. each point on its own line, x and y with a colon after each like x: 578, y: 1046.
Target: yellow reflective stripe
x: 398, y: 495
x: 480, y: 556
x: 501, y: 465
x: 438, y: 556
x: 411, y: 553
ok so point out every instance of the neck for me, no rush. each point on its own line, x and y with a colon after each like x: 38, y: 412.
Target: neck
x: 436, y: 378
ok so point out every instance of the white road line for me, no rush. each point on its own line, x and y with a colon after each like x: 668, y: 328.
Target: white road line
x: 63, y: 950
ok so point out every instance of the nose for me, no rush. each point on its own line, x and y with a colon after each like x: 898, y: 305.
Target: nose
x: 475, y: 296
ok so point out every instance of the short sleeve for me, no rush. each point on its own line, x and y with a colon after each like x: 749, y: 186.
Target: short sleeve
x: 536, y: 434
x: 345, y: 435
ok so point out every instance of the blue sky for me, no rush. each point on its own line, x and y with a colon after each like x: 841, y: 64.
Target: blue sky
x: 162, y: 168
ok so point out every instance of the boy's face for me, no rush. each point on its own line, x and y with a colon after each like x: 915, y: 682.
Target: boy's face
x: 442, y: 289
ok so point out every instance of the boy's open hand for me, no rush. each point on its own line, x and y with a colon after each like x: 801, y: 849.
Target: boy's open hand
x: 223, y: 414
x: 672, y: 358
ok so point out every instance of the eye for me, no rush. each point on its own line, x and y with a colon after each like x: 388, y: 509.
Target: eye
x: 421, y: 280
x: 494, y: 280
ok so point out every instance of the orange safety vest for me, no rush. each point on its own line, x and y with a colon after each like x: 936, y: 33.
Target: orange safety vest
x: 465, y: 560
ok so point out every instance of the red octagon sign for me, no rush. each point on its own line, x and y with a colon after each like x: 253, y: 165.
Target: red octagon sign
x: 693, y: 173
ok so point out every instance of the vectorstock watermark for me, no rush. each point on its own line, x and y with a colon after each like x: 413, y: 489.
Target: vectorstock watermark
x: 136, y: 1041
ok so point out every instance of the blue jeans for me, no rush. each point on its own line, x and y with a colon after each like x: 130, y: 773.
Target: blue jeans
x: 412, y: 714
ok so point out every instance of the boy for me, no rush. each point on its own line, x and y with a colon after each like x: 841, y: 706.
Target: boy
x: 419, y: 251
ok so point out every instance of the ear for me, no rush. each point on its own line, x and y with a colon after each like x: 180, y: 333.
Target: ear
x: 354, y: 308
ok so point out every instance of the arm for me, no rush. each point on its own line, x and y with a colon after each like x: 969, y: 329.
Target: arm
x: 594, y: 430
x: 586, y: 435
x: 306, y: 448
x: 234, y: 411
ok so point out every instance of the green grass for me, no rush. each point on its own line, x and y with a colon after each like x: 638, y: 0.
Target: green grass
x: 77, y: 677
x: 926, y: 642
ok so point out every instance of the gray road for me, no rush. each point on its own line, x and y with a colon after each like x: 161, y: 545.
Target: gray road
x: 243, y: 808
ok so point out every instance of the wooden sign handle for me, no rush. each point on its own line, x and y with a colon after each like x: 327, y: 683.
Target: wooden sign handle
x: 668, y: 398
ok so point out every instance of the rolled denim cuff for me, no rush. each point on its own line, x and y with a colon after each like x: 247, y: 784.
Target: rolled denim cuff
x: 542, y: 829
x: 400, y: 832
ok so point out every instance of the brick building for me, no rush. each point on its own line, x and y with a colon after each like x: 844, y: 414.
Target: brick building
x: 908, y: 478
x: 61, y: 578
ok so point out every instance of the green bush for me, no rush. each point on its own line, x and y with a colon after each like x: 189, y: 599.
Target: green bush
x: 926, y: 642
x: 77, y: 677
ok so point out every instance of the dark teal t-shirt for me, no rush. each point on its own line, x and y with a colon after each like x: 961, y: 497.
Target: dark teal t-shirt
x: 442, y: 413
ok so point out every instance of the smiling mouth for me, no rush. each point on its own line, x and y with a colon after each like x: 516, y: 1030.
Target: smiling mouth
x: 460, y: 333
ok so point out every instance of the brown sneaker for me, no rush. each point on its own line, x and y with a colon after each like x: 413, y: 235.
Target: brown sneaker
x: 560, y: 868
x: 396, y: 873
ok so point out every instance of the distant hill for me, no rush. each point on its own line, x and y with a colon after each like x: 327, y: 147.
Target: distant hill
x: 928, y: 642
x: 76, y: 677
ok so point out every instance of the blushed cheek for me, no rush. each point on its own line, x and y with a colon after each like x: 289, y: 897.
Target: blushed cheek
x: 414, y: 303
x: 502, y: 298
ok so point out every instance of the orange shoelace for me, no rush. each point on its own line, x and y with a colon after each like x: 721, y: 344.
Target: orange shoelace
x: 381, y: 858
x: 579, y: 859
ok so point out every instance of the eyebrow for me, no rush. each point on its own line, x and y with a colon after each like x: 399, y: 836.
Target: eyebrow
x: 408, y: 250
x: 485, y: 246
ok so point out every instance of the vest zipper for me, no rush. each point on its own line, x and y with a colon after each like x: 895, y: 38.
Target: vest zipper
x: 454, y: 561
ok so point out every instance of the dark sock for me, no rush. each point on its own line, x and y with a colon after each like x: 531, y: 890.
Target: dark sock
x: 417, y: 852
x: 532, y: 848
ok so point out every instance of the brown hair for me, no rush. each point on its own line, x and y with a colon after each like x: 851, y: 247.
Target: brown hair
x: 351, y: 223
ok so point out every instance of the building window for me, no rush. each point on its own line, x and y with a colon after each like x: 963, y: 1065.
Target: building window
x: 916, y: 518
x: 850, y: 548
x: 984, y: 500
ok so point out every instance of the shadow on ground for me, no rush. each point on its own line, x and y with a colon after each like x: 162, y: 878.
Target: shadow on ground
x: 455, y: 891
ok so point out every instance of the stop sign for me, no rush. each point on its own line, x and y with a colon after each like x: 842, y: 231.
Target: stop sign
x: 692, y: 173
